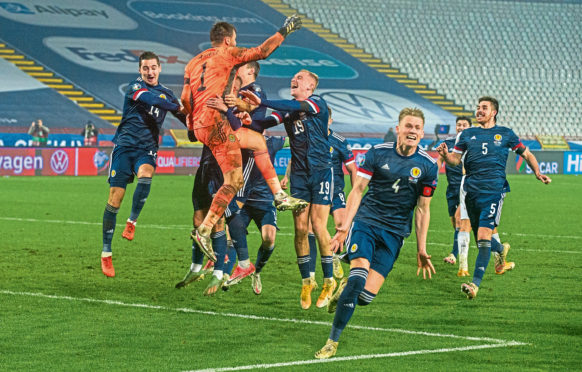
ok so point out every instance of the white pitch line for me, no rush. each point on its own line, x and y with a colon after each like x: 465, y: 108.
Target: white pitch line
x: 189, y: 227
x: 360, y: 357
x: 252, y: 317
x: 519, y: 249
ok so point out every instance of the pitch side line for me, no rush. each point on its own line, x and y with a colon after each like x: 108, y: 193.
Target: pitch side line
x: 187, y: 227
x: 253, y: 317
x: 360, y: 357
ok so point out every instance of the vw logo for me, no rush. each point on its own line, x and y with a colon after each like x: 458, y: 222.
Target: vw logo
x: 59, y: 162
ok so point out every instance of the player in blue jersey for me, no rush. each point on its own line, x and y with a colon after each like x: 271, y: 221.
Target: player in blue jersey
x: 462, y: 226
x: 256, y: 204
x: 305, y: 119
x: 136, y: 145
x: 484, y: 151
x: 341, y: 154
x: 401, y: 179
x: 207, y: 181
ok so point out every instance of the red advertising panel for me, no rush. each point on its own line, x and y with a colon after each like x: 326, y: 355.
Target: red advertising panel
x: 19, y: 162
x: 59, y: 162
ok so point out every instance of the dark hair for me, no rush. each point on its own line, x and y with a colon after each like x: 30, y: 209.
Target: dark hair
x: 494, y: 102
x: 466, y: 118
x: 255, y: 65
x: 220, y: 30
x: 148, y: 55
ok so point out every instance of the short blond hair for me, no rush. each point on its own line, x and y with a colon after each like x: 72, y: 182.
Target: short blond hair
x: 313, y: 75
x: 411, y: 111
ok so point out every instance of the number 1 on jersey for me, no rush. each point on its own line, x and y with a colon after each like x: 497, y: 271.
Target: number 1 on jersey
x: 202, y: 87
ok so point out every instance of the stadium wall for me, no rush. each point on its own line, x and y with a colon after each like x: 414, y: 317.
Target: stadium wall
x: 94, y: 161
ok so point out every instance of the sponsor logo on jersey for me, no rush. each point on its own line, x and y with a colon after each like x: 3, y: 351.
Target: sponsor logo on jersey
x: 354, y: 248
x: 198, y: 17
x: 385, y: 166
x: 116, y: 55
x: 70, y: 13
x: 59, y: 162
x: 473, y: 138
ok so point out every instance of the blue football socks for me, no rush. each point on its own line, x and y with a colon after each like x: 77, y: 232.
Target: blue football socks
x: 303, y: 263
x: 348, y: 301
x: 140, y: 195
x: 455, y: 250
x: 263, y: 256
x: 482, y: 261
x: 109, y: 218
x: 312, y: 252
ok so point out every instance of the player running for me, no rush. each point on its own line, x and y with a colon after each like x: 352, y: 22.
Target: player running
x: 462, y: 226
x: 211, y: 74
x: 400, y: 178
x: 136, y: 145
x: 484, y: 151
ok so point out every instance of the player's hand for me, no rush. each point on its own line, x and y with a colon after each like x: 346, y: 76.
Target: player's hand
x: 230, y: 100
x: 443, y: 150
x: 217, y: 103
x: 292, y: 23
x: 244, y: 117
x: 284, y: 182
x: 338, y: 240
x: 250, y: 97
x: 545, y: 179
x: 424, y: 263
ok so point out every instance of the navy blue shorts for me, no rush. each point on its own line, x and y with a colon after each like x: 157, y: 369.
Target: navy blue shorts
x: 379, y: 246
x: 262, y: 213
x: 316, y: 188
x: 125, y: 162
x: 206, y: 183
x: 453, y: 203
x: 484, y: 210
x: 338, y: 201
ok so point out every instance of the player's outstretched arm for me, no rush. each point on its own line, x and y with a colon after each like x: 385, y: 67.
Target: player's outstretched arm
x: 243, y: 55
x: 531, y: 160
x: 421, y: 222
x: 280, y: 104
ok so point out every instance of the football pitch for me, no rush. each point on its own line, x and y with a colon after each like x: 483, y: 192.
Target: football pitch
x: 59, y: 312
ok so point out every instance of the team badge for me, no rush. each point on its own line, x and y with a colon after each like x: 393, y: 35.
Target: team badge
x: 497, y: 139
x: 135, y: 87
x: 231, y: 138
x: 331, y: 149
x: 353, y: 248
x: 415, y: 172
x: 113, y: 173
x: 162, y: 96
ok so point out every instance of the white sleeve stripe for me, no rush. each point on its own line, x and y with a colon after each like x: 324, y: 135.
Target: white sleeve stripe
x: 139, y: 93
x: 350, y: 162
x: 457, y: 151
x: 366, y: 176
x: 313, y: 107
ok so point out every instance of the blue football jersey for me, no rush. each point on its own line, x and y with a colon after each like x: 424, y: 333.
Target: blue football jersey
x: 258, y: 190
x: 260, y: 112
x: 485, y: 154
x: 341, y: 154
x: 308, y: 136
x: 396, y: 183
x: 454, y: 174
x: 141, y: 123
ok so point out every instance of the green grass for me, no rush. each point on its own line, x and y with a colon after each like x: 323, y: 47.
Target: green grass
x: 50, y: 243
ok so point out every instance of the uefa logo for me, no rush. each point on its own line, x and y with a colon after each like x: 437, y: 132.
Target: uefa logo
x: 59, y: 162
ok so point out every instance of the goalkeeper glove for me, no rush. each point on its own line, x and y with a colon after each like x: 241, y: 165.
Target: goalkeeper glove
x: 292, y: 23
